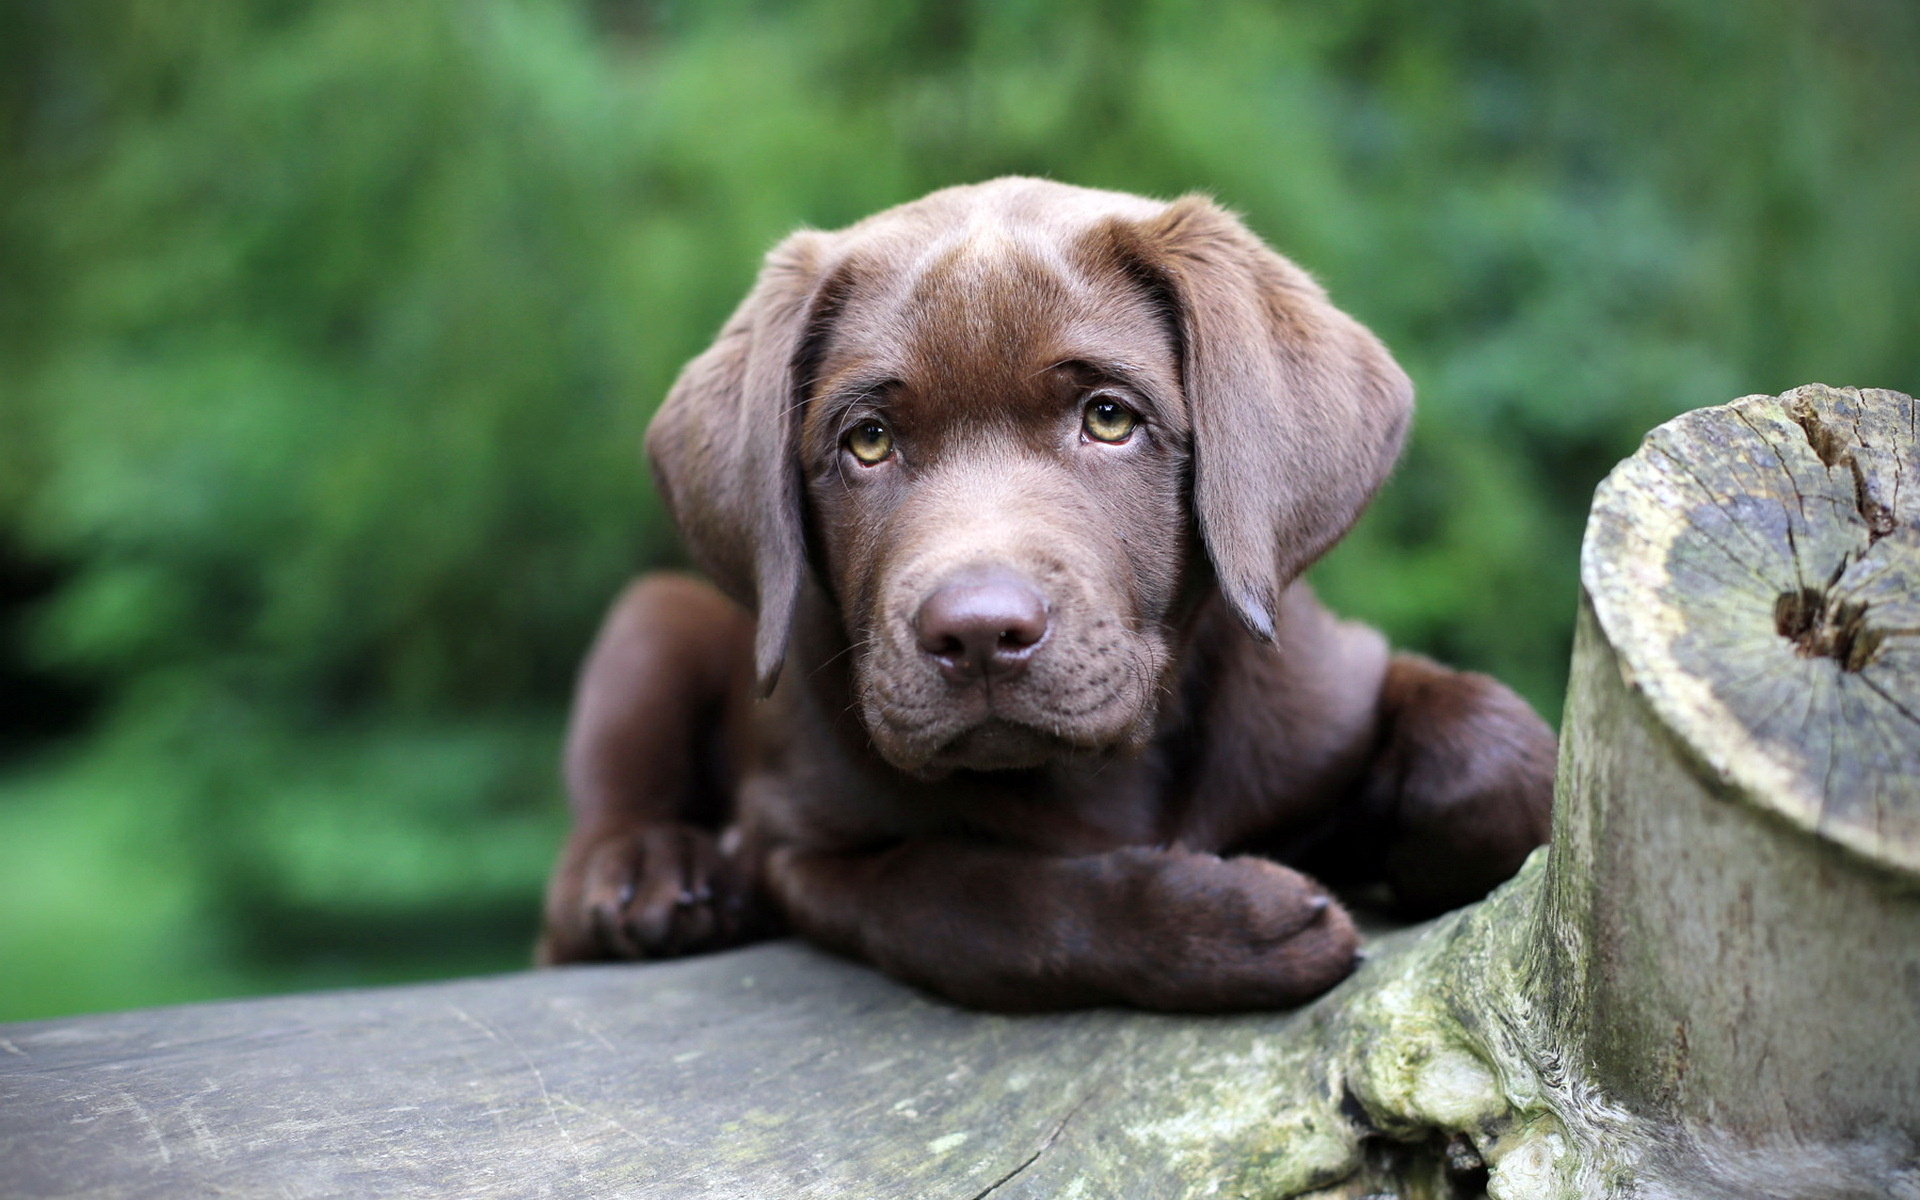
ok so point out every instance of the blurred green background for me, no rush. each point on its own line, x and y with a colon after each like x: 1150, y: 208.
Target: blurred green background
x: 328, y: 332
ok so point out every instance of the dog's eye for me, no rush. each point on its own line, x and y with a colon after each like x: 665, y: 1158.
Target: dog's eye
x: 870, y: 442
x: 1107, y: 420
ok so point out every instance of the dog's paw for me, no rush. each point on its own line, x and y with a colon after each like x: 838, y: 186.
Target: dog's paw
x: 656, y: 891
x: 1235, y: 933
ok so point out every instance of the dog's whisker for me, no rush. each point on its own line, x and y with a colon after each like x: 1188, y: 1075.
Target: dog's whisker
x: 836, y: 656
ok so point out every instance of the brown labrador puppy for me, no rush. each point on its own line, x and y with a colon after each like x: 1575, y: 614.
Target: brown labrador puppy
x: 1009, y: 490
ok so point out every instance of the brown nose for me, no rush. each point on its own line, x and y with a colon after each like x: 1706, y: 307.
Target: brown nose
x: 982, y: 626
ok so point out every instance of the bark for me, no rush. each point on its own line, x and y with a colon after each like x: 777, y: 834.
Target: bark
x: 1709, y: 987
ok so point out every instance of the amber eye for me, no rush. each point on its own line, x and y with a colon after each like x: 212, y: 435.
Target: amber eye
x: 870, y: 442
x: 1108, y: 420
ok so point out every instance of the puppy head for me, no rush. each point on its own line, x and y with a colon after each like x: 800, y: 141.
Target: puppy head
x: 1007, y: 414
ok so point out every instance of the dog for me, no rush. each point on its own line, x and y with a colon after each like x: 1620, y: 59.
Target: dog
x: 1006, y: 681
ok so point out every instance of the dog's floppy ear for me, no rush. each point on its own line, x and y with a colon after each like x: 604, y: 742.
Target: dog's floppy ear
x: 1297, y: 410
x: 723, y: 446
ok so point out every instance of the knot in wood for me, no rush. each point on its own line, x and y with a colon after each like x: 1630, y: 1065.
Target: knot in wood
x: 1819, y: 628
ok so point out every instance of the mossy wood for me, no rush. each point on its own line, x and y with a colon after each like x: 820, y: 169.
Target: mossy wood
x: 1709, y: 988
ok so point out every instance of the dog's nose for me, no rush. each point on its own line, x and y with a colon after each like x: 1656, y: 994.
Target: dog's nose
x: 982, y: 626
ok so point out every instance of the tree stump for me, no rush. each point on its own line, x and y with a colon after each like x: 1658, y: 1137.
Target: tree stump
x: 1738, y: 870
x: 1709, y: 987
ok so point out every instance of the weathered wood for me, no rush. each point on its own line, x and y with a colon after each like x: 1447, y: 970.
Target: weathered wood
x: 1752, y: 924
x: 771, y: 1072
x: 1709, y: 988
x: 1757, y: 568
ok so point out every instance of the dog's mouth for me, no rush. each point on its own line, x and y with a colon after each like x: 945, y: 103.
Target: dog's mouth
x: 982, y: 737
x: 997, y: 744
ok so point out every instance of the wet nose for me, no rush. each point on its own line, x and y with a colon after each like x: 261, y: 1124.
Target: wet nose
x: 982, y: 626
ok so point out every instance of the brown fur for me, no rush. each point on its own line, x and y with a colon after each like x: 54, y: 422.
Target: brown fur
x: 1049, y: 833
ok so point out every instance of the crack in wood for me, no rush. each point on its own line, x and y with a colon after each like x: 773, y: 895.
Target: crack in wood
x: 1717, y: 497
x: 1833, y: 452
x: 1898, y: 707
x: 1053, y: 1135
x: 1825, y: 442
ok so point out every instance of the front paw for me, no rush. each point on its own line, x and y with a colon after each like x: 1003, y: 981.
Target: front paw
x: 654, y: 891
x: 1234, y: 933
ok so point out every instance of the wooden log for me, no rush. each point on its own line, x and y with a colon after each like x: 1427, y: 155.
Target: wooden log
x: 770, y: 1072
x: 1709, y: 987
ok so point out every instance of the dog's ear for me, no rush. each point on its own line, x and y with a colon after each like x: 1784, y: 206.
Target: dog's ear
x: 723, y: 446
x: 1298, y: 412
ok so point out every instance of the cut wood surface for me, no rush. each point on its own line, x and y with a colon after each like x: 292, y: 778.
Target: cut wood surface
x: 1708, y: 988
x: 1757, y: 567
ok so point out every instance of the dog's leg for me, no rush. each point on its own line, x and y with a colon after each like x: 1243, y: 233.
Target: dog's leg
x: 648, y: 765
x: 1007, y: 929
x: 1459, y: 793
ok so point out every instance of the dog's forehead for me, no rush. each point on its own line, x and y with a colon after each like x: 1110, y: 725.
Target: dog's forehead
x: 973, y: 310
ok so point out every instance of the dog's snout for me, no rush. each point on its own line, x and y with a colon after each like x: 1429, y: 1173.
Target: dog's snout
x: 982, y: 626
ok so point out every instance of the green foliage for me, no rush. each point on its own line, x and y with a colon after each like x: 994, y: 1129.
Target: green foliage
x: 328, y: 333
